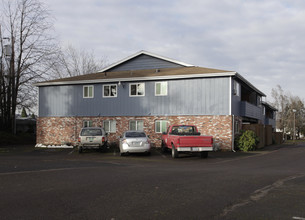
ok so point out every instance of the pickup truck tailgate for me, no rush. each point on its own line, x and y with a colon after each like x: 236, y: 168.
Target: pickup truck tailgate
x: 196, y: 141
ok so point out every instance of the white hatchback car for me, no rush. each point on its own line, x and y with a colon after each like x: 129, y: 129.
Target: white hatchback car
x: 134, y: 142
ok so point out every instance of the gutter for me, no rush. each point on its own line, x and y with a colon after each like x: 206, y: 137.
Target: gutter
x: 131, y: 79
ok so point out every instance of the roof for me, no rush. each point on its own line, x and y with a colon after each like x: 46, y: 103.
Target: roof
x: 143, y: 52
x: 269, y: 106
x: 142, y: 75
x: 108, y: 75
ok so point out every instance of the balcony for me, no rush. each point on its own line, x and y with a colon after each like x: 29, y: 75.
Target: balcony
x: 251, y: 111
x: 270, y: 121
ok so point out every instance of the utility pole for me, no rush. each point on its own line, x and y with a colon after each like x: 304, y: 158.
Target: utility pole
x: 294, y: 137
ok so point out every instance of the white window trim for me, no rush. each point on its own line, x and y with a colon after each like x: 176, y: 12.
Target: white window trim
x: 160, y: 125
x: 130, y: 84
x: 136, y: 124
x: 236, y: 88
x: 109, y: 130
x: 87, y: 121
x: 116, y: 95
x: 161, y: 88
x: 89, y: 97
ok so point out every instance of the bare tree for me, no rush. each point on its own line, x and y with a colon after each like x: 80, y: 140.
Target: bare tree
x: 26, y: 24
x: 72, y: 62
x: 290, y: 110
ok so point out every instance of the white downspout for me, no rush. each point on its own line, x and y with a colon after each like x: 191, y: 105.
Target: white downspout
x: 233, y: 135
x: 230, y: 112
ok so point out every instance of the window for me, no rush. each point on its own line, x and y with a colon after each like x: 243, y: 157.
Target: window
x: 136, y: 125
x: 109, y: 126
x: 161, y: 88
x: 87, y: 124
x: 259, y: 101
x: 137, y: 89
x: 161, y: 126
x: 236, y: 88
x: 110, y: 90
x: 88, y: 92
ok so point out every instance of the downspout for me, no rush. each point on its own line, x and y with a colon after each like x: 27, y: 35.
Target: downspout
x: 230, y: 112
x: 233, y: 135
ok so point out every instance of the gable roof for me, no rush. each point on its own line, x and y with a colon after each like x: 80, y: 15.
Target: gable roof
x: 143, y: 52
x: 109, y: 74
x: 140, y: 75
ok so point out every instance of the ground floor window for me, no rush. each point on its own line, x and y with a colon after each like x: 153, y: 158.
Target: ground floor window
x: 161, y: 126
x: 109, y: 126
x: 87, y: 123
x: 136, y: 125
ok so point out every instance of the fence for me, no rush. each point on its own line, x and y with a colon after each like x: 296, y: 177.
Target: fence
x: 265, y: 134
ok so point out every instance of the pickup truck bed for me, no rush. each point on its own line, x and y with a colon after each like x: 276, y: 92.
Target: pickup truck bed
x: 185, y: 138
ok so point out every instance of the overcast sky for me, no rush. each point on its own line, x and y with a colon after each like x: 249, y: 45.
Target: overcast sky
x: 263, y: 40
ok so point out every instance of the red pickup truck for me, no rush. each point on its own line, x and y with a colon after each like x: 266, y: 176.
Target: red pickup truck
x: 186, y: 138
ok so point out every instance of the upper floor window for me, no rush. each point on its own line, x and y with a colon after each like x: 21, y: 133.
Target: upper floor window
x: 136, y: 125
x: 109, y: 126
x: 161, y: 88
x: 161, y: 126
x: 87, y: 123
x: 88, y: 91
x: 259, y: 101
x: 236, y: 88
x: 110, y: 90
x: 136, y: 89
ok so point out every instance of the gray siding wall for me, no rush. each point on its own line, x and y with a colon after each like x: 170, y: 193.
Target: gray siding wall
x: 206, y: 96
x: 144, y: 62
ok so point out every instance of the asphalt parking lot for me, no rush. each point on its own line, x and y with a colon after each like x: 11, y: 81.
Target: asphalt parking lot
x: 62, y: 184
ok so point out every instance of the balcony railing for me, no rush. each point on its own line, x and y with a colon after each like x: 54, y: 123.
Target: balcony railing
x: 270, y: 121
x: 251, y: 111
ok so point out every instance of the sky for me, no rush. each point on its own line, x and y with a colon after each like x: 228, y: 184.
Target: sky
x: 263, y: 40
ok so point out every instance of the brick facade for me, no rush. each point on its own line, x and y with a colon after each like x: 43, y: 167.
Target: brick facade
x: 61, y: 130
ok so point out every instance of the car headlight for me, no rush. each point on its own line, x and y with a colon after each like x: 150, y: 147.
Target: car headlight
x: 124, y: 141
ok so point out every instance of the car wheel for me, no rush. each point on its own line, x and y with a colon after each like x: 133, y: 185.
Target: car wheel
x: 174, y: 152
x: 80, y: 150
x: 204, y: 154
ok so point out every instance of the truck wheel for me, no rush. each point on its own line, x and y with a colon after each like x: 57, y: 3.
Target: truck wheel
x: 204, y: 154
x: 174, y: 152
x: 80, y: 150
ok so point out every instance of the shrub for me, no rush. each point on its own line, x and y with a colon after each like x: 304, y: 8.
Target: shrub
x: 247, y: 141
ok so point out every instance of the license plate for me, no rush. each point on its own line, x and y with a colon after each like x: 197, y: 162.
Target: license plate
x: 90, y: 138
x: 195, y: 149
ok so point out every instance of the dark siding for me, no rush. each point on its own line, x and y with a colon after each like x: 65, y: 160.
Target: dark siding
x: 206, y: 96
x: 144, y: 62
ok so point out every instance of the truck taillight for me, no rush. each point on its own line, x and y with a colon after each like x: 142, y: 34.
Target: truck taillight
x: 78, y: 139
x: 212, y: 140
x: 103, y: 139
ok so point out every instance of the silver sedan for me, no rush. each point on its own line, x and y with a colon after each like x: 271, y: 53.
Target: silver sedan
x: 134, y: 142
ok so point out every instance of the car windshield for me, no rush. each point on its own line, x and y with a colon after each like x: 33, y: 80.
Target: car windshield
x: 92, y: 132
x: 185, y: 130
x: 135, y: 134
